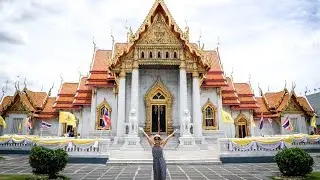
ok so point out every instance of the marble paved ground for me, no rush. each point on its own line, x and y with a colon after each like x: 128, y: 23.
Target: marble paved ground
x: 19, y: 164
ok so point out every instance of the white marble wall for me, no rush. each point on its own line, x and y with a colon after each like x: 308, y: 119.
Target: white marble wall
x: 85, y: 124
x: 105, y: 93
x: 299, y: 127
x: 147, y: 78
x: 12, y: 125
x: 52, y: 131
x: 128, y: 98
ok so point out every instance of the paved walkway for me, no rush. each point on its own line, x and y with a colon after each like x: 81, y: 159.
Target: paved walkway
x: 19, y: 164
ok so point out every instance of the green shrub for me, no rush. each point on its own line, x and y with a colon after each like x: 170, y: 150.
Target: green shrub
x: 294, y: 162
x: 47, y: 161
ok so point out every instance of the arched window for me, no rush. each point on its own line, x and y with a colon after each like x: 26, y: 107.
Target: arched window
x: 209, y: 112
x: 175, y: 55
x: 142, y: 55
x: 167, y: 55
x: 150, y: 54
x: 104, y: 116
x: 159, y: 54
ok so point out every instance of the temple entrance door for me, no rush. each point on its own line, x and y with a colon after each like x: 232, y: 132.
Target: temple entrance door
x: 158, y: 101
x: 242, y: 131
x: 241, y: 127
x: 159, y: 119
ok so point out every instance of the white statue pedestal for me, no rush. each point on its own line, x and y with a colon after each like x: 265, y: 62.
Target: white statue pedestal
x: 187, y: 143
x: 132, y: 142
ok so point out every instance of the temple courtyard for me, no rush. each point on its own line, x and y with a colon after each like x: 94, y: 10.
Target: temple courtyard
x: 18, y: 164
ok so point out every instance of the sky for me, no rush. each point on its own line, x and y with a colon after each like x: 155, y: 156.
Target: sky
x: 272, y: 41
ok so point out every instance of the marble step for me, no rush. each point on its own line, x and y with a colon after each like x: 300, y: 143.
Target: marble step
x: 213, y: 161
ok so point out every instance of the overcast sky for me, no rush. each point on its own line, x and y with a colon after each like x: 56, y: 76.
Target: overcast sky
x: 273, y: 40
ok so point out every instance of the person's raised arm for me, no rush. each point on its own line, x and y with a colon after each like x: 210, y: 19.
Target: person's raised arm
x: 165, y: 141
x: 150, y: 140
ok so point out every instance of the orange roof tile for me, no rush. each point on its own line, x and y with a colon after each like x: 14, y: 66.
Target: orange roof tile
x: 305, y: 103
x: 37, y: 98
x: 246, y: 97
x: 68, y: 88
x: 262, y: 106
x: 211, y: 57
x: 102, y: 60
x: 243, y: 88
x: 62, y: 99
x: 274, y: 98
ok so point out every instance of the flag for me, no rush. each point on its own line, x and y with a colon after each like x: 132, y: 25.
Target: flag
x: 252, y: 122
x: 314, y: 121
x: 45, y: 124
x: 261, y: 122
x: 270, y: 120
x: 28, y: 124
x: 2, y: 122
x: 226, y: 117
x: 106, y: 120
x: 68, y: 118
x: 286, y: 124
x: 19, y: 127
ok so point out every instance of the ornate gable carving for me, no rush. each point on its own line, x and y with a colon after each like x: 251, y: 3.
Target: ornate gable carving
x: 18, y: 106
x: 293, y: 107
x: 159, y: 33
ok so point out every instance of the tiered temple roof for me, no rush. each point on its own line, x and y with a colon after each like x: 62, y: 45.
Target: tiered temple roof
x: 100, y: 75
x: 239, y: 96
x: 36, y: 104
x: 83, y: 94
x: 273, y: 104
x: 66, y: 96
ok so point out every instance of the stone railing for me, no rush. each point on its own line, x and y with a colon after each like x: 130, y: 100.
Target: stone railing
x: 265, y: 146
x: 74, y: 147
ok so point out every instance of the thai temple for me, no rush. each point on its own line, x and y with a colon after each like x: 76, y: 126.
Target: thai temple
x: 159, y: 76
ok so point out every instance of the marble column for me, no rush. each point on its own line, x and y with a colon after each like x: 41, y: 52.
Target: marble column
x: 121, y: 104
x: 183, y: 92
x: 135, y: 89
x: 197, y: 120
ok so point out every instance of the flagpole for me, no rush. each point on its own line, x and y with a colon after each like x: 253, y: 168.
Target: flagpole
x: 41, y: 131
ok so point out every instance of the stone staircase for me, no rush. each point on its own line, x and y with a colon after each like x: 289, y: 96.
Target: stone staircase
x: 207, y: 155
x: 118, y: 157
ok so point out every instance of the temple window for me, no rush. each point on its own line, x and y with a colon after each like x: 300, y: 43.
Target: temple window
x: 159, y: 54
x: 209, y: 116
x: 103, y: 111
x: 142, y: 55
x: 150, y: 54
x: 158, y: 96
x: 175, y: 55
x: 167, y: 55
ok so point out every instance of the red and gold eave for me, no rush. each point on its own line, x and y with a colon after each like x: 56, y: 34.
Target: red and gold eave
x: 214, y: 78
x: 37, y: 105
x: 66, y: 97
x: 100, y: 74
x: 272, y: 104
x: 246, y: 97
x: 83, y: 94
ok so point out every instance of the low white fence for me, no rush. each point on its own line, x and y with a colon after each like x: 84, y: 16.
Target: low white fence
x: 266, y: 146
x: 74, y: 147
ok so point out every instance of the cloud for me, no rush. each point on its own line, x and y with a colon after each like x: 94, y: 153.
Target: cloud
x: 272, y: 40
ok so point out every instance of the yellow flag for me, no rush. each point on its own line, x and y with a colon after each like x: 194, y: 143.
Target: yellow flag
x: 226, y: 117
x: 314, y: 121
x: 252, y: 122
x: 2, y: 122
x: 20, y: 128
x: 68, y: 118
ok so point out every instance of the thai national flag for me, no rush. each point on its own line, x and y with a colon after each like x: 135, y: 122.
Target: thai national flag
x: 261, y: 122
x: 29, y: 126
x: 286, y: 124
x: 45, y: 124
x: 106, y: 120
